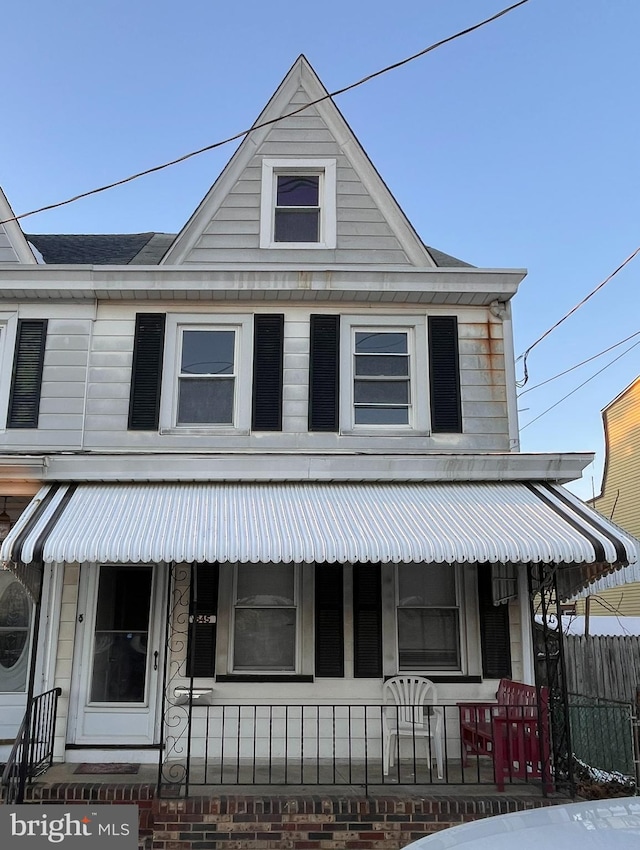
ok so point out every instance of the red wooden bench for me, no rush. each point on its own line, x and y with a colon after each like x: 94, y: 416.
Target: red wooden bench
x: 513, y: 731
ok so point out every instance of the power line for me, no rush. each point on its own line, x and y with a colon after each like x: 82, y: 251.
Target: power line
x: 579, y: 387
x: 578, y: 365
x: 524, y: 356
x: 273, y: 120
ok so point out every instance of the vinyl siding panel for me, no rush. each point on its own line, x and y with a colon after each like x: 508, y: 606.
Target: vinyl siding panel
x: 616, y: 601
x: 372, y: 240
x: 62, y: 405
x: 64, y: 657
x: 483, y: 387
x: 63, y: 388
x: 619, y: 499
x: 7, y: 253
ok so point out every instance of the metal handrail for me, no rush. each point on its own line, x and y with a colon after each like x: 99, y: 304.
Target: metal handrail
x: 31, y: 754
x: 337, y: 744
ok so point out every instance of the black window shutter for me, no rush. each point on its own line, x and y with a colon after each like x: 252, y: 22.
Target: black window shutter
x: 329, y: 618
x: 26, y: 379
x: 202, y: 635
x: 494, y: 630
x: 367, y: 620
x: 146, y: 372
x: 444, y: 375
x: 324, y: 374
x: 268, y: 338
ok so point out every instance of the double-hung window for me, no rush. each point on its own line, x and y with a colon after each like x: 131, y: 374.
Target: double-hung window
x: 265, y: 619
x: 381, y: 377
x: 380, y: 390
x: 206, y: 364
x: 207, y: 376
x: 297, y: 208
x: 298, y: 203
x: 428, y: 616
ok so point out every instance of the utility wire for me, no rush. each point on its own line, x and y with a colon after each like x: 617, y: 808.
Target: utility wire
x: 524, y: 356
x: 579, y: 387
x: 578, y: 365
x: 273, y: 120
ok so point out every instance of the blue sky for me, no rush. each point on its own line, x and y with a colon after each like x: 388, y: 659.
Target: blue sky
x: 515, y: 146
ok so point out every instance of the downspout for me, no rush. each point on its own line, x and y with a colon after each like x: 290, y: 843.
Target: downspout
x: 504, y: 313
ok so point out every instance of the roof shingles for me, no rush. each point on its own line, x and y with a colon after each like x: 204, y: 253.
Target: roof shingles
x: 119, y: 249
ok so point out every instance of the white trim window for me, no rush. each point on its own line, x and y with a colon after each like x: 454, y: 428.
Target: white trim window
x: 265, y: 627
x: 428, y: 618
x: 381, y: 392
x: 206, y: 364
x: 207, y: 376
x: 381, y: 377
x: 298, y: 203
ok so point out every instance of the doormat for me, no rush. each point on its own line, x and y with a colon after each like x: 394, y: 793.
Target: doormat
x: 106, y: 767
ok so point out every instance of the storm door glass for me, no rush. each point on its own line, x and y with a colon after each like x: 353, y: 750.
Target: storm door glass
x: 121, y: 635
x: 15, y: 627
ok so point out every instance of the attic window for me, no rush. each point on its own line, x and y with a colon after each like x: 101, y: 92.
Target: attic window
x: 298, y: 203
x: 297, y: 212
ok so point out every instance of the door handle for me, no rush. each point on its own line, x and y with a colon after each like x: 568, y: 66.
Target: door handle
x: 155, y: 659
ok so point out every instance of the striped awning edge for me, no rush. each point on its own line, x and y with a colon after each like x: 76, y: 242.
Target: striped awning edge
x: 305, y: 522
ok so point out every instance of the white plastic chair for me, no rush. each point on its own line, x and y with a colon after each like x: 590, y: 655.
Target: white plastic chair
x: 410, y: 709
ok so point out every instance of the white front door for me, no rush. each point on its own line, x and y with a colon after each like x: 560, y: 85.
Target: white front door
x: 118, y: 655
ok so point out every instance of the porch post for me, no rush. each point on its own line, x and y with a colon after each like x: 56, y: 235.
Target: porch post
x: 550, y: 668
x: 26, y: 738
x: 175, y: 736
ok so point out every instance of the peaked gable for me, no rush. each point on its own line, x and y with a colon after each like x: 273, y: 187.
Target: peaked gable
x: 368, y: 225
x: 14, y: 247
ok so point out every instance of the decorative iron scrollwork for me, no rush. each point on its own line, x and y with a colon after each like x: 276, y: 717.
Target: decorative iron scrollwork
x: 550, y: 667
x: 173, y: 768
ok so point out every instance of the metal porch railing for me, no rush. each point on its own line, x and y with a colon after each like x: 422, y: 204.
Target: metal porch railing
x: 32, y: 752
x: 328, y: 745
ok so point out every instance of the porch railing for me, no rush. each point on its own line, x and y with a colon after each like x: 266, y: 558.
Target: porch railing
x: 327, y: 745
x: 32, y: 753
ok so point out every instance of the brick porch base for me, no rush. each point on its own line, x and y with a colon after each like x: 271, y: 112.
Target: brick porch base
x: 287, y: 822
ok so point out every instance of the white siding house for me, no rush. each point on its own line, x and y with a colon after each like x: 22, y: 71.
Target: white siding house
x: 274, y: 459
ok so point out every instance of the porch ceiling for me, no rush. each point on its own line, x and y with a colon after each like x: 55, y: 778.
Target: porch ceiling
x: 304, y: 521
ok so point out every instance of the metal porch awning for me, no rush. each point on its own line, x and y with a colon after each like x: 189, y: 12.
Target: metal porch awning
x: 305, y: 522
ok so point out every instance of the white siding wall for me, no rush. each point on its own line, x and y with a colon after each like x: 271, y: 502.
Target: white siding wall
x: 515, y: 629
x: 64, y: 657
x: 110, y: 338
x: 7, y: 251
x: 363, y: 234
x: 482, y: 376
x: 63, y: 383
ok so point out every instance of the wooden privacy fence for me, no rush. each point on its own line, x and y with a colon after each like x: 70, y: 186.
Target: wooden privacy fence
x: 600, y: 666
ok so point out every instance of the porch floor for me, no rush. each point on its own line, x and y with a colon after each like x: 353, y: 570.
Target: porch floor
x: 314, y: 778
